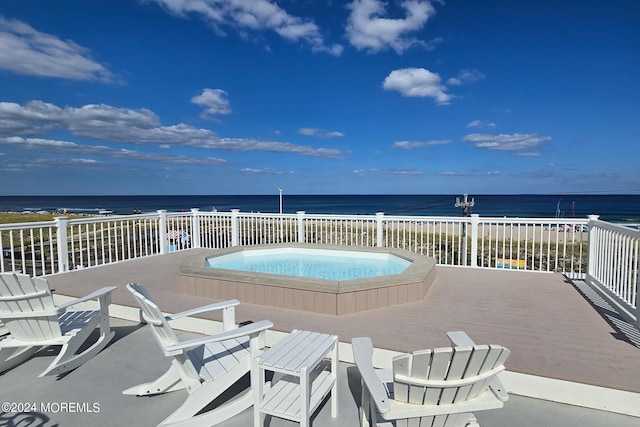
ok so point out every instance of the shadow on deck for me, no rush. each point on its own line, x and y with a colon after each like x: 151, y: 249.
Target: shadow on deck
x: 552, y: 330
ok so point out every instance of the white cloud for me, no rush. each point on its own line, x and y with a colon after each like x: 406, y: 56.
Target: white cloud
x: 215, y: 102
x: 63, y: 162
x: 319, y: 133
x: 24, y: 50
x: 264, y: 171
x: 107, y: 123
x: 480, y: 124
x: 410, y: 145
x: 369, y: 29
x: 600, y: 175
x: 84, y: 161
x: 433, y: 43
x: 465, y: 77
x: 516, y: 141
x: 417, y: 82
x: 528, y: 154
x: 67, y: 147
x: 454, y: 173
x: 388, y: 171
x: 254, y: 15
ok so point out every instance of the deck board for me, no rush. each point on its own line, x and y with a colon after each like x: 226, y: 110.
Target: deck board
x: 547, y: 323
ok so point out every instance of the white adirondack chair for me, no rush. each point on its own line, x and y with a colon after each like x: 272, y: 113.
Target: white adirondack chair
x: 439, y: 387
x: 205, y: 366
x: 34, y: 322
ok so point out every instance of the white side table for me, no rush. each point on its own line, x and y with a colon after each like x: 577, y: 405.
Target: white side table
x: 300, y: 382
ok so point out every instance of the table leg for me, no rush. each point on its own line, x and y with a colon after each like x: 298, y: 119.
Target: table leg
x: 334, y: 373
x: 305, y: 397
x: 257, y: 381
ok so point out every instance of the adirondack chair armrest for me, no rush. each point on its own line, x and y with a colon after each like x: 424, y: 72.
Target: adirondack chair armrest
x: 99, y: 294
x: 362, y: 355
x: 460, y: 338
x: 93, y: 295
x: 211, y: 307
x: 246, y: 330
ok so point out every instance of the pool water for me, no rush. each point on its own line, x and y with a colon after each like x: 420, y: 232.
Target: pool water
x: 312, y: 263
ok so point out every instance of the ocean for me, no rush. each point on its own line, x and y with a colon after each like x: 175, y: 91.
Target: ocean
x: 614, y: 208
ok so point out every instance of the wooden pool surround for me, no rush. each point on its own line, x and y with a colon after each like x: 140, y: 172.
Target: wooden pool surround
x: 306, y: 294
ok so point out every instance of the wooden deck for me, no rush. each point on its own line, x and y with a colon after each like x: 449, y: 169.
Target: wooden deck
x: 552, y: 329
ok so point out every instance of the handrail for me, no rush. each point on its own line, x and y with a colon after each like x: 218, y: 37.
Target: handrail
x: 604, y: 254
x: 614, y: 266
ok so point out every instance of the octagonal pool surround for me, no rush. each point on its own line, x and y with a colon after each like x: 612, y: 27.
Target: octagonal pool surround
x: 329, y: 296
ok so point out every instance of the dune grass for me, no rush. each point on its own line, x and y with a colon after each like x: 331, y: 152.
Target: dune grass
x: 19, y: 217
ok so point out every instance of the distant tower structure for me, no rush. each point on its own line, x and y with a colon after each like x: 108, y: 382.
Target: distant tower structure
x: 465, y: 204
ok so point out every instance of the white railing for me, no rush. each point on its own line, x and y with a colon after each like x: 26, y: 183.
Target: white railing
x: 546, y: 245
x: 30, y: 247
x: 339, y: 230
x: 98, y: 241
x: 606, y: 255
x: 263, y: 229
x: 215, y: 230
x: 614, y: 265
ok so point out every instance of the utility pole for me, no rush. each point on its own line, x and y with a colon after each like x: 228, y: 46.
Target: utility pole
x: 464, y: 205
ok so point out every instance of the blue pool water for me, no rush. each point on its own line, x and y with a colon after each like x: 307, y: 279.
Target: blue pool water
x: 312, y: 263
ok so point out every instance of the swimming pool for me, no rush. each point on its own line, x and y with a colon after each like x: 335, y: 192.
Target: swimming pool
x: 312, y: 263
x: 279, y: 288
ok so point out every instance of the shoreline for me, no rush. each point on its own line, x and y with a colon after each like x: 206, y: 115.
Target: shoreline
x: 611, y: 208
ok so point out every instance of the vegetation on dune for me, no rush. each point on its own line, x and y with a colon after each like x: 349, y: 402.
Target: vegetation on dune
x: 19, y: 217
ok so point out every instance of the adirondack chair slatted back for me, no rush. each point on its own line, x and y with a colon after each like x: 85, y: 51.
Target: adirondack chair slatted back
x: 151, y: 313
x: 445, y: 376
x: 21, y: 294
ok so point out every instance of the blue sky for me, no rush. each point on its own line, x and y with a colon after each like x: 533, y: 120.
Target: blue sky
x: 319, y: 97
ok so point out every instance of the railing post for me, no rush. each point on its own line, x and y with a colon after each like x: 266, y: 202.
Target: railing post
x: 301, y: 233
x: 63, y: 247
x: 380, y: 229
x: 592, y: 246
x: 235, y: 238
x: 163, y: 230
x: 475, y: 222
x: 195, y: 228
